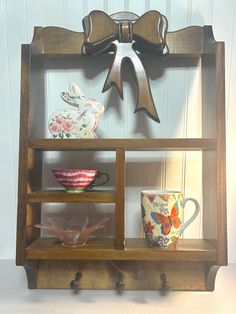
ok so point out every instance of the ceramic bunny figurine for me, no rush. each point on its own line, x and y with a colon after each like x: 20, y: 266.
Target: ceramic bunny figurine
x: 78, y: 122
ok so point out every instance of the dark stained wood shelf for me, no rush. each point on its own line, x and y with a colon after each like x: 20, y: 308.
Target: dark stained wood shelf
x: 193, y: 264
x: 60, y: 196
x: 173, y: 144
x: 186, y: 42
x: 136, y: 249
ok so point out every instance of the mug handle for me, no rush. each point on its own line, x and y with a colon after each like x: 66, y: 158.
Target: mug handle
x: 196, y: 212
x: 100, y: 174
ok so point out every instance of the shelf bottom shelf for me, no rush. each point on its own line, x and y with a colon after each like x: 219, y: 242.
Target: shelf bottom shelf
x: 135, y: 249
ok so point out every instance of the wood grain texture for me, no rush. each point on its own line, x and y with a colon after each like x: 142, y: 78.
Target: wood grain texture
x: 190, y: 263
x: 37, y: 110
x: 31, y: 269
x: 221, y: 155
x: 209, y: 85
x: 187, y: 42
x: 135, y: 249
x: 214, y: 169
x: 23, y: 147
x: 33, y: 216
x: 120, y: 199
x: 36, y: 120
x: 125, y: 53
x: 56, y: 41
x: 136, y: 275
x: 95, y: 196
x: 127, y: 144
x: 209, y: 199
x: 148, y: 32
x: 34, y: 170
x: 209, y: 196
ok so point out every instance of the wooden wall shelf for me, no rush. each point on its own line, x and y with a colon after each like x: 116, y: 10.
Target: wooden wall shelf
x: 135, y: 249
x: 174, y: 144
x: 97, y: 196
x: 59, y: 42
x: 105, y: 261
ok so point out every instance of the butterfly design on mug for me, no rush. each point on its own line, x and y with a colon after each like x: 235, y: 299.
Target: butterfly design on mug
x: 164, y: 197
x: 167, y: 221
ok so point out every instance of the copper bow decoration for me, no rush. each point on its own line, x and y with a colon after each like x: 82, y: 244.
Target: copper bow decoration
x: 126, y: 36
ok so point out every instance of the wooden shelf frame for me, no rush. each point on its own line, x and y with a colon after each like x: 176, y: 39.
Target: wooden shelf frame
x: 135, y: 249
x: 60, y: 196
x: 56, y: 44
x: 173, y: 144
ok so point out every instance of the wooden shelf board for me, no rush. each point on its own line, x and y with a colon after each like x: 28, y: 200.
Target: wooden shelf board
x: 173, y: 144
x: 57, y: 41
x: 136, y: 249
x: 60, y: 196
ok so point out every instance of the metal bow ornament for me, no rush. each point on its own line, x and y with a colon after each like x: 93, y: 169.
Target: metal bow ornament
x: 127, y: 37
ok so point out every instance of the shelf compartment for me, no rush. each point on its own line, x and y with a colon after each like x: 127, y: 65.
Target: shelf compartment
x: 57, y: 196
x: 174, y: 144
x: 136, y: 249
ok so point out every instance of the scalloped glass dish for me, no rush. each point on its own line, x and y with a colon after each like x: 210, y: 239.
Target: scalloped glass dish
x: 72, y: 233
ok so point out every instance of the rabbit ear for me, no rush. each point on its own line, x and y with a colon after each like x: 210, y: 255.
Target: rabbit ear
x: 76, y: 90
x: 74, y: 97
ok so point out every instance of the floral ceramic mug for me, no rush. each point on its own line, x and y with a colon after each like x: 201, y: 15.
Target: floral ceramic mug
x: 162, y: 213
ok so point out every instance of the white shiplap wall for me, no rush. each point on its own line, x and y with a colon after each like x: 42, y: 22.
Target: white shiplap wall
x: 172, y: 170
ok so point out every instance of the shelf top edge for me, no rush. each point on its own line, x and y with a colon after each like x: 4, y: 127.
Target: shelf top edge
x: 127, y: 144
x: 57, y: 41
x: 137, y: 249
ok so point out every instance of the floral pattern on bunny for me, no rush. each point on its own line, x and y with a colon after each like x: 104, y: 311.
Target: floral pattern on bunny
x: 78, y: 122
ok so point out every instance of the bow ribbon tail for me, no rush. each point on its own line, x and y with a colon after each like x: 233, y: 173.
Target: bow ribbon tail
x: 114, y: 76
x: 145, y: 101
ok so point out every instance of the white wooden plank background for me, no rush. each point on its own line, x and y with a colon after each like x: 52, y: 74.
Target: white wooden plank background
x: 172, y: 170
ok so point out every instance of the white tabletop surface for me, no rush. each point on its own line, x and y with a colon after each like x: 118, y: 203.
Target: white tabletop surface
x: 16, y: 298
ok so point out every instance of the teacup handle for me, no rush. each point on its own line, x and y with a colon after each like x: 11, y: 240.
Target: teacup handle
x: 100, y: 174
x: 196, y: 212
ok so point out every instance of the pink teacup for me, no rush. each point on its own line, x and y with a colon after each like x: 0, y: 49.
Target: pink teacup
x: 79, y: 180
